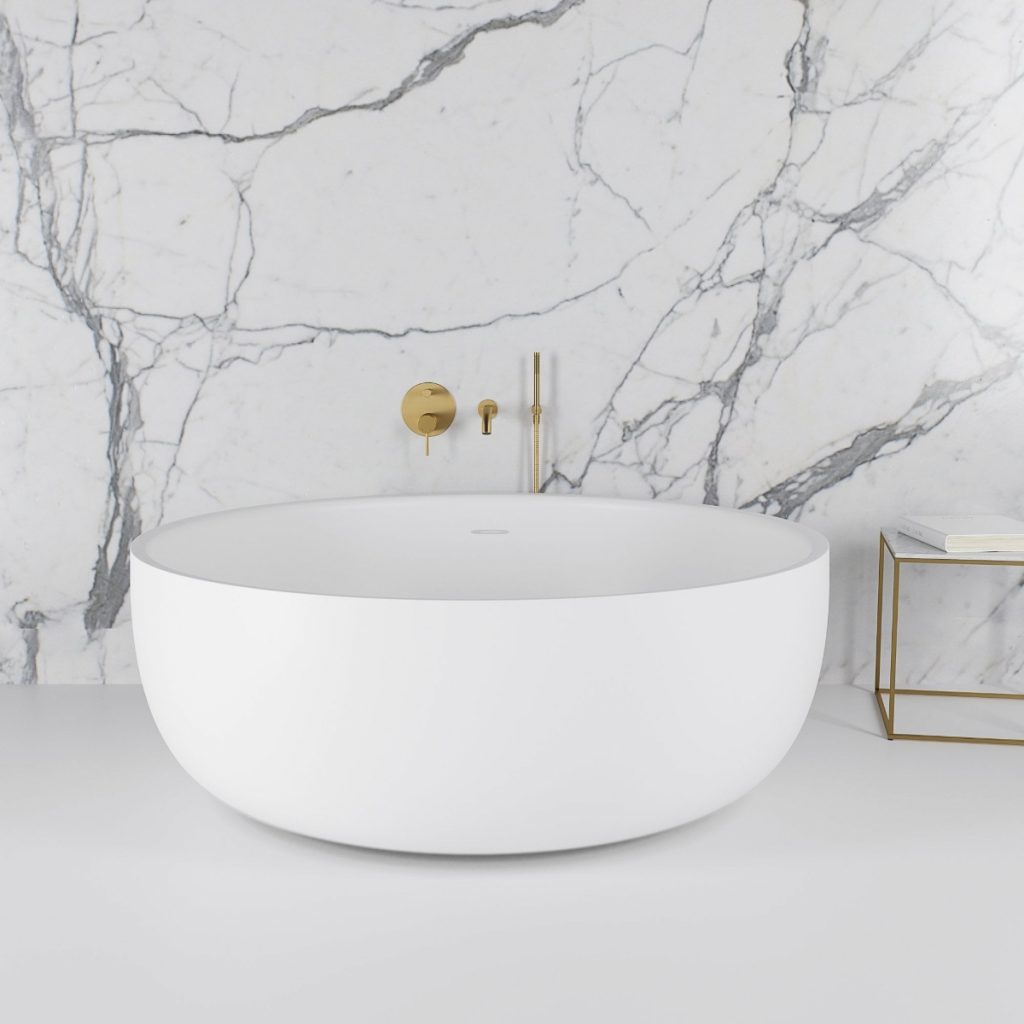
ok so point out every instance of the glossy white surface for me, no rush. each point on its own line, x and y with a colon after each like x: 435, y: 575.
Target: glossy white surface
x: 844, y: 889
x: 375, y: 672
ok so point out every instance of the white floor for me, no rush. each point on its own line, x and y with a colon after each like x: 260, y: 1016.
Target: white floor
x: 864, y: 881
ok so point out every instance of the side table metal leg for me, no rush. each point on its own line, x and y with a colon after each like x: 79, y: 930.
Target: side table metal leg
x: 878, y: 621
x: 893, y: 643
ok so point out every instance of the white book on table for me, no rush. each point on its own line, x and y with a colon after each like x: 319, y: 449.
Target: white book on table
x: 966, y: 534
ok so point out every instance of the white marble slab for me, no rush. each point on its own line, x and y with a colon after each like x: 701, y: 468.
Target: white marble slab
x: 770, y: 250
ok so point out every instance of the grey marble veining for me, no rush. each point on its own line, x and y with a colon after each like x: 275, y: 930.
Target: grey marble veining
x: 772, y: 252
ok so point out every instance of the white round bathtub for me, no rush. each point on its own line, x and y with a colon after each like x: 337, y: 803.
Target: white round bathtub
x: 479, y: 674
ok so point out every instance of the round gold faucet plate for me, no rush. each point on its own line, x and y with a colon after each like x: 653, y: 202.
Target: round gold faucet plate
x: 428, y: 409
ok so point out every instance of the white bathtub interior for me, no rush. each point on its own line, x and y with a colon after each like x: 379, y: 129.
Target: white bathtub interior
x: 477, y: 547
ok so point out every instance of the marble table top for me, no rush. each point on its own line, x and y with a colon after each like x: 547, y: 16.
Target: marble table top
x: 904, y: 547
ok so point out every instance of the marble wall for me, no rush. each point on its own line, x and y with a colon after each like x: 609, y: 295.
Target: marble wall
x: 773, y: 252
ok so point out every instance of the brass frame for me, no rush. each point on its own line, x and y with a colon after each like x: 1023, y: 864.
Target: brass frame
x: 889, y: 713
x: 536, y: 410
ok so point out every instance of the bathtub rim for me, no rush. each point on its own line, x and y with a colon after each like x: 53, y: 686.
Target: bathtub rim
x: 819, y: 545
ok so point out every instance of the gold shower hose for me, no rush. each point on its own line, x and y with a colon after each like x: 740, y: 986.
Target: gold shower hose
x: 536, y: 410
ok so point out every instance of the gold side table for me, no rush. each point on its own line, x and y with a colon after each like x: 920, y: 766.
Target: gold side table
x: 903, y: 549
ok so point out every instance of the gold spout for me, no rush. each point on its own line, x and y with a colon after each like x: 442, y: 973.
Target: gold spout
x: 536, y: 410
x: 488, y: 409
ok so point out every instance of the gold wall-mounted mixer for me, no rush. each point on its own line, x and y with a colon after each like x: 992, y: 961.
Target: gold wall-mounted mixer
x: 428, y: 410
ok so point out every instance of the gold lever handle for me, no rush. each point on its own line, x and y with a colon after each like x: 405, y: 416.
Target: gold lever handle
x: 488, y: 409
x: 426, y: 425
